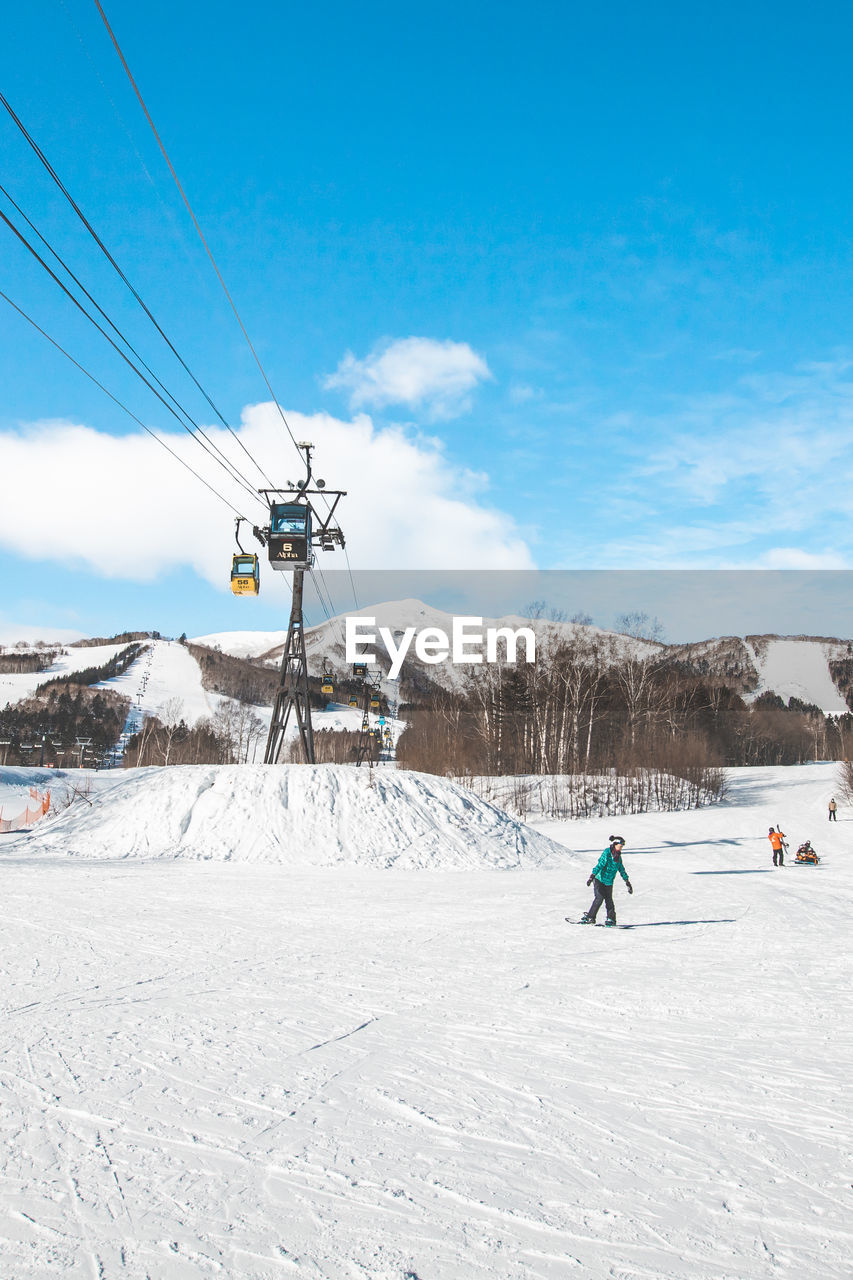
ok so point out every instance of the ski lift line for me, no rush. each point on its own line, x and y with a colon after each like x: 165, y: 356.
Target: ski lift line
x: 116, y: 400
x: 106, y: 317
x: 55, y: 176
x: 330, y: 616
x: 116, y: 330
x: 328, y: 610
x: 124, y: 126
x: 197, y: 435
x: 330, y: 511
x: 351, y: 579
x: 326, y: 604
x: 200, y: 437
x: 195, y: 221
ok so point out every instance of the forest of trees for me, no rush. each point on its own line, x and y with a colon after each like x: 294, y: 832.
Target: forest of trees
x: 239, y: 678
x: 602, y: 727
x: 234, y: 735
x: 590, y: 707
x: 108, y: 670
x: 124, y: 637
x: 336, y: 747
x: 45, y: 728
x: 25, y: 659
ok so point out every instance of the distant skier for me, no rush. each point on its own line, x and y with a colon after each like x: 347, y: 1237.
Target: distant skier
x: 777, y: 844
x: 603, y: 875
x: 833, y: 810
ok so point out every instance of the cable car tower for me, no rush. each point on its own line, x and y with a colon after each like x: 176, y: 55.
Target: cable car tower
x: 296, y: 527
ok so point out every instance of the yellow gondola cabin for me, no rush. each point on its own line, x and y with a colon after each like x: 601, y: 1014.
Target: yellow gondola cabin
x: 245, y: 575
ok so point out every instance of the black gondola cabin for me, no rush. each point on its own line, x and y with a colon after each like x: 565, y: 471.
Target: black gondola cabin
x: 290, y: 535
x: 245, y: 575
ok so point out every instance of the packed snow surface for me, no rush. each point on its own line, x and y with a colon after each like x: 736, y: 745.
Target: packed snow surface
x: 251, y: 1070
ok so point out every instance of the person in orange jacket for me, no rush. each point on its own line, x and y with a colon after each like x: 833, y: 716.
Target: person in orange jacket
x: 777, y: 843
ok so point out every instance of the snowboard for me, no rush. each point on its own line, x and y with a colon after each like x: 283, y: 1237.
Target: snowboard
x: 596, y: 925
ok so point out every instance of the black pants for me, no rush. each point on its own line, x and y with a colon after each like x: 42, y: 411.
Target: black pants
x: 832, y: 817
x: 780, y: 854
x: 603, y: 893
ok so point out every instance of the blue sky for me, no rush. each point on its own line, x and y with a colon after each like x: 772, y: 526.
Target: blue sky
x: 555, y: 285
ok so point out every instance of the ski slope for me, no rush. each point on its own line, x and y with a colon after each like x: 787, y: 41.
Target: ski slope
x: 800, y: 669
x: 15, y: 686
x: 253, y: 1070
x: 166, y: 672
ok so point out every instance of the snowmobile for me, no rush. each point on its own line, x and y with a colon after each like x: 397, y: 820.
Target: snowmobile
x: 806, y: 853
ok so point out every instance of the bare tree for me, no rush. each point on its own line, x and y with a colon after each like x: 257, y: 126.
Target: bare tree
x: 844, y: 784
x: 641, y: 626
x: 238, y: 725
x: 170, y: 716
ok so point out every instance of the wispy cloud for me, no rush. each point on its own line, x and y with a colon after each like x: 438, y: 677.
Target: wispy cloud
x: 760, y: 476
x: 419, y: 373
x: 787, y: 436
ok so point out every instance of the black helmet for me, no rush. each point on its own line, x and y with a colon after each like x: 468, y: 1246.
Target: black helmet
x: 617, y: 840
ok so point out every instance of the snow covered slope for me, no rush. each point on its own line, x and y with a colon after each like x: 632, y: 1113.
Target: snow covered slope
x: 243, y: 644
x: 299, y: 815
x: 789, y: 667
x: 18, y: 685
x: 165, y: 672
x: 800, y: 669
x: 251, y: 1072
x: 325, y: 643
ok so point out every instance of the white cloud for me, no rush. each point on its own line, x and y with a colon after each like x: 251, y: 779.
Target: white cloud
x: 796, y: 558
x: 33, y: 633
x: 123, y: 508
x: 420, y: 373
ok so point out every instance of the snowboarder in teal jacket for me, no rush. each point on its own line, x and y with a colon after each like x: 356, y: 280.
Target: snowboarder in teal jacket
x: 603, y: 875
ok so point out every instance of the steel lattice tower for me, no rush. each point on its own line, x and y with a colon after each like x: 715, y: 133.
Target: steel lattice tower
x: 292, y: 692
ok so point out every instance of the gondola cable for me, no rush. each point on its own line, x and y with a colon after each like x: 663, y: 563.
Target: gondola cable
x: 197, y: 435
x: 116, y: 329
x: 203, y: 240
x: 294, y: 548
x: 116, y: 401
x: 93, y: 233
x: 195, y: 221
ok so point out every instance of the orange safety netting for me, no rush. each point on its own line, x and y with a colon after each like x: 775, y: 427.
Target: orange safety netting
x: 29, y: 816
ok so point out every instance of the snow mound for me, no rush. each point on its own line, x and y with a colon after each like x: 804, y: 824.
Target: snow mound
x: 303, y: 816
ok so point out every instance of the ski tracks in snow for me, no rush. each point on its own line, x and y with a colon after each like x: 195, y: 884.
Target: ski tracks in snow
x: 241, y: 1071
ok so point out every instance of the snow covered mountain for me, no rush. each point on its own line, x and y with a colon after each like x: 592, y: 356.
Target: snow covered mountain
x: 325, y: 642
x: 789, y: 666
